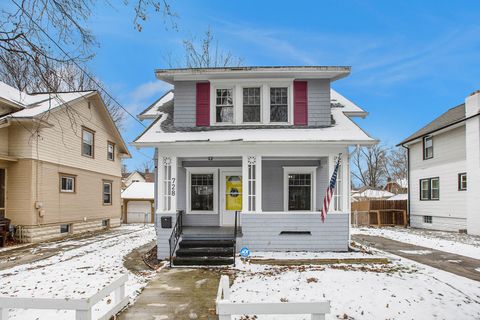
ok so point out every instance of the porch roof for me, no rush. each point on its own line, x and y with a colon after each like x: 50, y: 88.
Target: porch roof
x: 344, y: 131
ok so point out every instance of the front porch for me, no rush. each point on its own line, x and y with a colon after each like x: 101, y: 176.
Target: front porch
x: 278, y: 196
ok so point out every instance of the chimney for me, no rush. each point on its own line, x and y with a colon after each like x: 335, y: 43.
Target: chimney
x: 472, y: 104
x: 147, y: 170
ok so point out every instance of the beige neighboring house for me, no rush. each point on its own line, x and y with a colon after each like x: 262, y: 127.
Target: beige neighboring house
x: 135, y: 176
x: 60, y: 163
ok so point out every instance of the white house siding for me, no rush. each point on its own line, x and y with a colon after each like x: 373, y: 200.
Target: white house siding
x: 261, y: 232
x: 318, y: 92
x: 448, y: 213
x: 185, y: 104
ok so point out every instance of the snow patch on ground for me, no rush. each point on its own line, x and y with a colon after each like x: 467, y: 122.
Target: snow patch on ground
x: 401, y: 290
x: 77, y: 272
x: 311, y: 255
x: 456, y: 243
x: 418, y: 252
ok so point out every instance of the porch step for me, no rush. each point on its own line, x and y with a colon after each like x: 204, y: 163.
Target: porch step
x: 206, y: 243
x: 205, y: 252
x: 202, y: 261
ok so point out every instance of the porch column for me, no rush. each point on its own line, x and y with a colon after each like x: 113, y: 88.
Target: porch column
x: 167, y: 184
x: 346, y: 182
x: 252, y: 183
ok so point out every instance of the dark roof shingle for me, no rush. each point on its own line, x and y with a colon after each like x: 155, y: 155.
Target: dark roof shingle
x: 446, y: 119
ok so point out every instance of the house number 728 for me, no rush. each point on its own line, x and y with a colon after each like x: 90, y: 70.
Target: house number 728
x: 173, y: 186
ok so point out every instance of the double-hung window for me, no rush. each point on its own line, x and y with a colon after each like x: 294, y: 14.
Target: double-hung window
x: 224, y: 106
x: 427, y: 147
x: 462, y: 181
x: 88, y: 142
x: 107, y: 192
x: 251, y: 105
x: 430, y: 189
x: 110, y: 151
x: 67, y: 184
x: 299, y: 188
x: 279, y: 104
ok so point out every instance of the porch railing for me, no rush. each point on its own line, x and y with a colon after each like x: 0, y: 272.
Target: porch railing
x: 175, y: 236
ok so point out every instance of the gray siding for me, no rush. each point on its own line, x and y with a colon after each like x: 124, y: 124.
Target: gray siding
x: 184, y: 110
x: 261, y: 232
x: 163, y: 235
x: 272, y: 181
x: 319, y: 113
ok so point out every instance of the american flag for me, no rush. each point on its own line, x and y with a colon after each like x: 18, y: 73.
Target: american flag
x: 331, y: 186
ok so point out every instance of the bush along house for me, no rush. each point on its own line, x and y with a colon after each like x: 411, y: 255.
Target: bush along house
x: 253, y: 147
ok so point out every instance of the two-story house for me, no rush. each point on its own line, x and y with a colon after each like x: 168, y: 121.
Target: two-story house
x: 444, y: 170
x: 60, y: 168
x: 253, y: 147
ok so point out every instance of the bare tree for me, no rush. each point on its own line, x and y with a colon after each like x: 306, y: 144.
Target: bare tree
x: 396, y: 164
x: 204, y: 53
x: 146, y: 166
x: 368, y: 165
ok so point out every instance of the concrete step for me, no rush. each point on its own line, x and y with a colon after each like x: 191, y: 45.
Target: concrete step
x: 206, y: 243
x: 205, y: 252
x: 202, y: 261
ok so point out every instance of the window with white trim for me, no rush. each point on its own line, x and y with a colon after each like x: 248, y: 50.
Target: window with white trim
x: 110, y: 151
x: 107, y: 192
x: 299, y: 188
x: 202, y: 190
x: 252, y: 164
x: 67, y: 183
x: 279, y: 104
x: 88, y: 142
x: 168, y: 183
x: 338, y: 191
x: 251, y: 104
x: 462, y: 181
x: 224, y: 106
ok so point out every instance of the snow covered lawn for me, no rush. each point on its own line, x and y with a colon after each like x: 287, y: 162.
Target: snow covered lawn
x: 462, y: 244
x: 89, y: 265
x: 400, y: 290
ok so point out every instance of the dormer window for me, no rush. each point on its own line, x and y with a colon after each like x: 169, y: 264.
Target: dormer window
x: 224, y: 106
x: 251, y: 105
x: 278, y: 104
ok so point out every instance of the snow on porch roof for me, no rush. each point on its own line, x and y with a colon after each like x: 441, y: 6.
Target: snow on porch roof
x: 344, y: 131
x: 139, y: 190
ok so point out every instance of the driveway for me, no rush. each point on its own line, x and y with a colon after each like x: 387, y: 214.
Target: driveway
x: 454, y: 263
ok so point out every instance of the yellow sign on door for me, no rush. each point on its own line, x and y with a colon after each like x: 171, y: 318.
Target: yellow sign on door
x: 233, y: 193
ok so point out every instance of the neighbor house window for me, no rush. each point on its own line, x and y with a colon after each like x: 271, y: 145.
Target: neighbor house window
x: 279, y: 104
x: 106, y: 223
x: 224, y: 106
x: 251, y: 105
x: 65, y: 228
x: 88, y: 142
x: 300, y: 189
x: 67, y: 183
x: 107, y: 192
x: 427, y: 147
x: 110, y: 151
x: 202, y: 192
x: 427, y: 219
x: 430, y: 189
x: 462, y: 181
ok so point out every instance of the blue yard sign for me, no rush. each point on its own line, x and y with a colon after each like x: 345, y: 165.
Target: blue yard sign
x: 244, y: 252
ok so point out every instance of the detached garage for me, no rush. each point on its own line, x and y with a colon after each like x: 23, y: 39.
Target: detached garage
x: 138, y: 203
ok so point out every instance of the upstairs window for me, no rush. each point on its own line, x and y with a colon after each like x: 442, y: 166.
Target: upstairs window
x: 462, y: 181
x: 110, y: 151
x: 224, y: 106
x: 279, y: 104
x: 251, y: 105
x: 427, y: 148
x: 430, y: 189
x: 107, y: 192
x: 88, y: 141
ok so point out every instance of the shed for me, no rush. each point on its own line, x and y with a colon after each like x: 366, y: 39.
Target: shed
x: 138, y: 203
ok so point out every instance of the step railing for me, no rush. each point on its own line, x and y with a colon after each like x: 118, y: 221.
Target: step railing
x: 175, y: 236
x: 226, y: 308
x: 82, y: 307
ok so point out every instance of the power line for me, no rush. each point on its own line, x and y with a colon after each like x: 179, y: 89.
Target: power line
x: 78, y: 65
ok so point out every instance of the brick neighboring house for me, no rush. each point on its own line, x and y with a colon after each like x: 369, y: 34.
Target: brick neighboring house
x: 60, y: 163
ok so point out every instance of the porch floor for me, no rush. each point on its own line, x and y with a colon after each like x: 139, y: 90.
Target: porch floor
x: 210, y: 232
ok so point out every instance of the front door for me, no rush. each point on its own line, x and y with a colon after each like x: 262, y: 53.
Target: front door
x: 230, y: 196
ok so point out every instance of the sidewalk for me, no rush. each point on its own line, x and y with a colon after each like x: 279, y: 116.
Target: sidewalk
x: 454, y: 263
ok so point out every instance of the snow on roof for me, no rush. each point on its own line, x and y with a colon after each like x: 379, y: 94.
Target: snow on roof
x: 152, y: 111
x: 400, y: 196
x: 372, y: 193
x: 36, y: 104
x: 344, y: 130
x: 347, y: 106
x: 139, y: 190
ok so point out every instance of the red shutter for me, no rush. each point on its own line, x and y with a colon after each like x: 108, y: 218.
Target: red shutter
x: 300, y: 104
x: 203, y: 104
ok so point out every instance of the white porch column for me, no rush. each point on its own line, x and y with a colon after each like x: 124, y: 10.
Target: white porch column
x: 252, y: 183
x: 167, y: 184
x: 472, y: 136
x: 345, y: 181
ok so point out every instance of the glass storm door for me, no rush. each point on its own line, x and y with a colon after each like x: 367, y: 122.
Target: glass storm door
x: 231, y: 197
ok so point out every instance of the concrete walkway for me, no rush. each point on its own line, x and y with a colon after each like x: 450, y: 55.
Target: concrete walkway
x: 454, y: 263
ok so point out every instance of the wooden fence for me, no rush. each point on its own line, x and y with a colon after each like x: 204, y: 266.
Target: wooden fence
x: 226, y: 308
x: 379, y: 213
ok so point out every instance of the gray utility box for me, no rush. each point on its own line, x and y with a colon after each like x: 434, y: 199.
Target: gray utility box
x: 166, y: 222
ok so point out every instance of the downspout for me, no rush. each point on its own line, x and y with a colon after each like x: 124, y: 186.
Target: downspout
x: 155, y: 185
x: 408, y: 181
